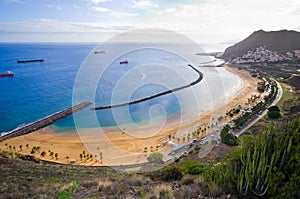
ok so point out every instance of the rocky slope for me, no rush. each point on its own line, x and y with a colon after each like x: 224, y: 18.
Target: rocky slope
x: 281, y: 41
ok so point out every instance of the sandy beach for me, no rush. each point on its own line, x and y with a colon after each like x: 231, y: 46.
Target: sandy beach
x: 115, y: 148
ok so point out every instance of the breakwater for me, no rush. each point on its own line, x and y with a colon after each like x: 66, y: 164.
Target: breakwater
x: 46, y: 121
x: 200, y: 76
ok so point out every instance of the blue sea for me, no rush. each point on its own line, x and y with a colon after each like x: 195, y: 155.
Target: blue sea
x: 73, y: 73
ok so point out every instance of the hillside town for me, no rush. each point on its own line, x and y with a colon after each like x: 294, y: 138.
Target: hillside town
x: 262, y: 55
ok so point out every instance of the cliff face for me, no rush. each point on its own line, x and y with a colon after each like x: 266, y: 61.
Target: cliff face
x: 280, y: 41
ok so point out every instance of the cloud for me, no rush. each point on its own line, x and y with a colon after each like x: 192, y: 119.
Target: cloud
x: 144, y: 4
x: 97, y: 1
x: 47, y: 25
x: 227, y: 19
x: 46, y: 20
x: 51, y: 6
x: 101, y: 9
x: 170, y: 11
x: 113, y: 13
x: 209, y: 20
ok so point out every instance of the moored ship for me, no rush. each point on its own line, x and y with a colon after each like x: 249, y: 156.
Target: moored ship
x: 124, y: 62
x: 30, y: 60
x: 100, y: 51
x: 8, y: 74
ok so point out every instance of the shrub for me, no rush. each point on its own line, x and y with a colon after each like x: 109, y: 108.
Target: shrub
x: 228, y: 138
x: 274, y: 108
x: 274, y: 114
x: 64, y: 194
x: 188, y: 181
x: 192, y: 167
x: 167, y: 174
x: 155, y: 157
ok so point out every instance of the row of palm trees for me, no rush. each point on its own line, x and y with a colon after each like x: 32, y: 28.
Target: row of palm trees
x: 194, y: 134
x: 85, y: 156
x: 14, y: 148
x: 36, y: 150
x: 151, y: 149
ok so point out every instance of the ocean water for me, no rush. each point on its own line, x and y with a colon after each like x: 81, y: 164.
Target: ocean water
x: 72, y: 73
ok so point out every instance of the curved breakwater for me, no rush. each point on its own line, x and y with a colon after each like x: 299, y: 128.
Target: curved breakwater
x: 156, y: 95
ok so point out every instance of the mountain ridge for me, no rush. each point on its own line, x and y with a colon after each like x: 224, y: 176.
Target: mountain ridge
x: 281, y: 41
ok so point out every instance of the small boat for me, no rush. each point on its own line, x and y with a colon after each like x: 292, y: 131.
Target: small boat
x: 8, y: 74
x: 30, y: 60
x: 100, y: 51
x: 124, y: 62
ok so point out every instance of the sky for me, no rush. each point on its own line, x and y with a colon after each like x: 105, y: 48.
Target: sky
x: 219, y: 22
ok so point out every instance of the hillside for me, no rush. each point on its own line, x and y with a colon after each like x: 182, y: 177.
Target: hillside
x: 281, y: 41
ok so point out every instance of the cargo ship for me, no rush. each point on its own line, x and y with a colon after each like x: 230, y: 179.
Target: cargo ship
x: 124, y: 62
x: 100, y: 51
x: 30, y: 60
x: 8, y: 74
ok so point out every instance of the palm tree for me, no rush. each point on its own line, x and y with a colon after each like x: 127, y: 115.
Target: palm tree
x: 56, y: 156
x: 43, y: 153
x: 67, y: 157
x: 83, y: 152
x: 6, y: 145
x: 21, y: 146
x: 145, y: 150
x: 151, y: 148
x: 183, y: 139
x: 101, y: 157
x: 38, y: 148
x: 27, y: 146
x: 9, y: 147
x: 51, y: 154
x: 14, y: 147
x: 80, y: 155
x: 194, y: 134
x: 178, y: 140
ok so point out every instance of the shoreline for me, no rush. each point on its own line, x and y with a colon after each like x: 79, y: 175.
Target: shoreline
x: 122, y: 148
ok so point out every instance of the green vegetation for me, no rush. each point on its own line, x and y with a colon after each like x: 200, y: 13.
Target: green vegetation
x: 260, y: 106
x: 266, y: 165
x: 261, y: 86
x: 287, y: 101
x: 233, y: 112
x: 155, y: 157
x: 228, y: 138
x: 43, y: 153
x: 274, y: 112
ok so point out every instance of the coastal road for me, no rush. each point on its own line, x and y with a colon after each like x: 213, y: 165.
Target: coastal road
x: 260, y: 116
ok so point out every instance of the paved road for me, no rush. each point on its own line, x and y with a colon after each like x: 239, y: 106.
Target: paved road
x: 258, y: 117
